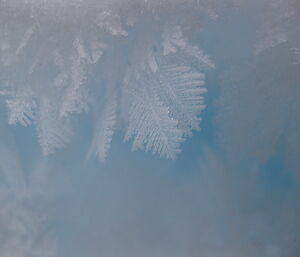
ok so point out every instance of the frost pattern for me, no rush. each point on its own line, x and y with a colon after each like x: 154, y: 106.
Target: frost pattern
x: 167, y: 95
x: 105, y: 129
x: 62, y: 58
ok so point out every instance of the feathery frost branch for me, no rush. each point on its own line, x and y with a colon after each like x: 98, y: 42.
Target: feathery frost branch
x: 52, y: 53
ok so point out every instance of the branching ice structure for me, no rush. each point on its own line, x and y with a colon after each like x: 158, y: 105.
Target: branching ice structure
x: 120, y: 61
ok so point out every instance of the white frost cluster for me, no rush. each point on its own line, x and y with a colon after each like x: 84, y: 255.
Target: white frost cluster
x: 133, y: 65
x: 117, y: 60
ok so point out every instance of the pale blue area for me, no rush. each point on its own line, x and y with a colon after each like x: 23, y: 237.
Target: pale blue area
x: 133, y: 189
